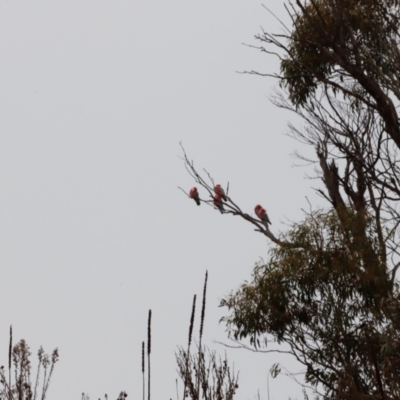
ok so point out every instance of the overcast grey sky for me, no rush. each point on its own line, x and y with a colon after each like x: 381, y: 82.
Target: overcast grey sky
x: 95, y: 97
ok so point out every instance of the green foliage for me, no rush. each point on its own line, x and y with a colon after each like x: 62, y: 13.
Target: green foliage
x: 339, y: 40
x: 323, y: 299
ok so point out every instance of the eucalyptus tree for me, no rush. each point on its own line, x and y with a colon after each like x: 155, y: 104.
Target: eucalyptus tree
x: 329, y: 288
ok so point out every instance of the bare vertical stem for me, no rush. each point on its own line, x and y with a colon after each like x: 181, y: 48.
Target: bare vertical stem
x: 189, y: 342
x: 144, y: 379
x: 9, y: 362
x: 203, y: 310
x: 54, y: 359
x: 40, y: 356
x: 45, y: 365
x: 148, y: 353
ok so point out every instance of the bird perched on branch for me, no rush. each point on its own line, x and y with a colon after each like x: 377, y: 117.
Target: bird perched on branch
x: 194, y: 194
x: 262, y: 214
x: 217, y: 200
x: 220, y: 191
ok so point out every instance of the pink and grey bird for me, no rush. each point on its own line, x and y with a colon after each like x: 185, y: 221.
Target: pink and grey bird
x: 262, y: 214
x: 220, y: 191
x: 217, y: 201
x: 194, y: 194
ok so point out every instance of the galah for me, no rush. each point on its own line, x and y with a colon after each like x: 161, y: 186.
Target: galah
x: 194, y: 194
x: 217, y: 200
x: 262, y: 214
x: 219, y: 190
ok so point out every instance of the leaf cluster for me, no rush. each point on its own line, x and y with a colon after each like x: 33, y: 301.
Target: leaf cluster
x: 332, y: 39
x: 324, y: 302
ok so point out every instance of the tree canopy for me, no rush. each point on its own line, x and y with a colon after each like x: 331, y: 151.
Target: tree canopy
x: 329, y: 288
